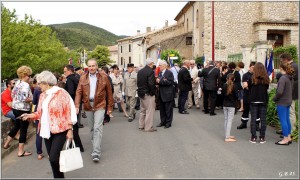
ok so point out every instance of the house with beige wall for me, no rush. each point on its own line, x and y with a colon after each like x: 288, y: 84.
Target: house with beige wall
x: 113, y: 50
x: 243, y: 31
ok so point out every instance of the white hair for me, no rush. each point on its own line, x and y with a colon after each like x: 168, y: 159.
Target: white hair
x: 163, y: 62
x: 47, y: 77
x: 149, y: 61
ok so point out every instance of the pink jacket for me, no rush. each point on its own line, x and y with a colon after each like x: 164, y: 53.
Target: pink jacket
x: 59, y: 111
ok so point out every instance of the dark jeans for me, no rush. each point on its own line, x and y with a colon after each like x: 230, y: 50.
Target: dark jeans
x: 38, y: 139
x: 183, y: 95
x: 19, y: 125
x: 213, y: 99
x: 258, y: 110
x: 54, y: 145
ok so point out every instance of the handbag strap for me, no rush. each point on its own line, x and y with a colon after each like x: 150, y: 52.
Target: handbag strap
x: 211, y: 70
x: 68, y: 144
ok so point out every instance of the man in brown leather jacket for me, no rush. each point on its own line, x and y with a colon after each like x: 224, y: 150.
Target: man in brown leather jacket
x: 92, y: 90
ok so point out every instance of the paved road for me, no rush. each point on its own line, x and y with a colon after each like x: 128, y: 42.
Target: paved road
x: 193, y: 147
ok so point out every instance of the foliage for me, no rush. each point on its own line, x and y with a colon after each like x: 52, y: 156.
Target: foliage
x: 291, y: 49
x: 295, y: 133
x: 199, y: 60
x: 101, y: 53
x: 165, y: 53
x: 75, y: 35
x: 272, y: 116
x: 27, y: 42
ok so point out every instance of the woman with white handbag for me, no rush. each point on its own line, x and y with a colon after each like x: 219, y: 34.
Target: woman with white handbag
x: 57, y: 114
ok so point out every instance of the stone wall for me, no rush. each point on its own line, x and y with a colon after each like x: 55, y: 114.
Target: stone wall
x: 234, y: 25
x: 279, y: 11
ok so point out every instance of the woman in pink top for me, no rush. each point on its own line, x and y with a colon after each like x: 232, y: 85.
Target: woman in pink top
x: 57, y: 114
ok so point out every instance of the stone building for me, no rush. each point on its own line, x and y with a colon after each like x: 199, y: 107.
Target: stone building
x: 243, y: 31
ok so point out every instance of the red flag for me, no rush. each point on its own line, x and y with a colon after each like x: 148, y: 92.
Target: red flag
x: 157, y: 64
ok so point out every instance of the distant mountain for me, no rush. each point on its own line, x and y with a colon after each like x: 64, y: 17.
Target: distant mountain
x: 77, y: 34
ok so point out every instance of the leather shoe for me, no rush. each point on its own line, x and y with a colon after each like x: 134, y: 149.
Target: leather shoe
x: 286, y: 144
x: 80, y: 126
x: 130, y: 120
x: 184, y: 112
x: 242, y: 126
x: 151, y: 130
x: 213, y: 114
x: 167, y: 127
x: 160, y: 125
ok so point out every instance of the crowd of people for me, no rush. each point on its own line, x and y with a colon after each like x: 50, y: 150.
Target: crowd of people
x: 56, y: 103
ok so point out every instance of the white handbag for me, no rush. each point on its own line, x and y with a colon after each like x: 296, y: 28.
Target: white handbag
x: 70, y: 159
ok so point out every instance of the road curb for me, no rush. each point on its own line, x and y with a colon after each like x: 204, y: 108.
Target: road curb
x: 14, y: 144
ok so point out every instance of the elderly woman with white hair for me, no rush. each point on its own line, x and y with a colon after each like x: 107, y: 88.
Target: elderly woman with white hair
x: 57, y: 114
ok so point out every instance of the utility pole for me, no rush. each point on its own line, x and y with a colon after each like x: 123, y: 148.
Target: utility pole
x: 213, y: 30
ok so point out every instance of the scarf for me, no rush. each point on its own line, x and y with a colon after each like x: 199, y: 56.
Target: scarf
x: 45, y: 119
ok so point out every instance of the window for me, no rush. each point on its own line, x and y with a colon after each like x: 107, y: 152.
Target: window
x: 129, y: 58
x: 129, y: 47
x: 121, y: 49
x: 197, y: 19
x: 187, y: 25
x: 121, y: 60
x: 189, y: 40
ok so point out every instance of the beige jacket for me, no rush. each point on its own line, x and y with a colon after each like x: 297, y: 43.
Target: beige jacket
x: 130, y: 84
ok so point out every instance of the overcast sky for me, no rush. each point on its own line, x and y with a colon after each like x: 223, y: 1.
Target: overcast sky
x: 120, y: 18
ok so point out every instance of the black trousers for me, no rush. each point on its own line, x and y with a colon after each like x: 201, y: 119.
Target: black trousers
x: 258, y: 110
x: 137, y: 105
x: 183, y: 95
x: 19, y: 125
x: 166, y: 113
x: 213, y: 99
x: 245, y: 115
x: 79, y: 114
x: 76, y: 137
x: 54, y: 145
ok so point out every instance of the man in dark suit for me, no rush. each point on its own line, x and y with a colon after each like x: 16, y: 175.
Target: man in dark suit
x: 71, y: 87
x: 184, y: 85
x: 146, y: 92
x: 165, y: 81
x: 211, y: 78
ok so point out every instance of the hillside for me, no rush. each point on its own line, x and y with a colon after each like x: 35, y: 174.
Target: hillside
x: 77, y: 34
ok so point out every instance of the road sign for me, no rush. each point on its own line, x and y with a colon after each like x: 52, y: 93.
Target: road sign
x: 174, y: 57
x: 171, y: 55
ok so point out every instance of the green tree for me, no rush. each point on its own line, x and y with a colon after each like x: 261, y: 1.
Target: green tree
x: 101, y: 53
x: 165, y: 53
x: 27, y: 42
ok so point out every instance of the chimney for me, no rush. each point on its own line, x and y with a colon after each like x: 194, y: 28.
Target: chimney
x: 138, y: 32
x: 148, y: 29
x: 166, y: 23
